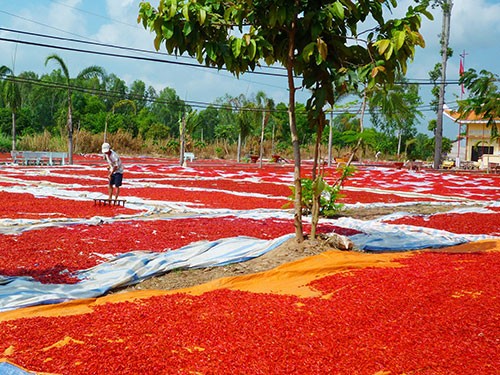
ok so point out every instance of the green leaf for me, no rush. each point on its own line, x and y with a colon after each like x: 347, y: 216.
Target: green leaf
x: 322, y: 48
x: 252, y: 49
x: 399, y: 39
x: 199, y: 53
x: 308, y: 51
x: 281, y: 15
x: 388, y: 52
x: 157, y: 41
x: 211, y: 53
x: 236, y: 46
x: 185, y: 11
x: 270, y: 60
x: 187, y: 28
x: 167, y: 30
x: 316, y: 29
x: 202, y: 15
x: 337, y: 10
x: 173, y: 9
x: 382, y: 45
x: 273, y: 16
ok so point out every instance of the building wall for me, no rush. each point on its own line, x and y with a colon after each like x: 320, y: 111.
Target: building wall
x: 478, y: 141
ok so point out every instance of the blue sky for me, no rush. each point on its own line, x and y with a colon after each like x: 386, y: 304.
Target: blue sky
x: 475, y: 28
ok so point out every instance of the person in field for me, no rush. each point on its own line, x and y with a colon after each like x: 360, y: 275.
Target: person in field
x: 115, y: 168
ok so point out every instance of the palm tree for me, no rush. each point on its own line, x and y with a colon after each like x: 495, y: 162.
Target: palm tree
x: 12, y: 96
x: 244, y: 126
x: 88, y: 72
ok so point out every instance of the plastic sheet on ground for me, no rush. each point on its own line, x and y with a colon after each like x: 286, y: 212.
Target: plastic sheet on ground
x: 378, y: 236
x: 130, y: 268
x: 7, y: 368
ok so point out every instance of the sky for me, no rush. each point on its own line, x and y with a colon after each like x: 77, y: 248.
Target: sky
x: 475, y: 29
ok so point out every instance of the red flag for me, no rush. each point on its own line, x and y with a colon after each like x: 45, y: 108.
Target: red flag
x: 461, y: 73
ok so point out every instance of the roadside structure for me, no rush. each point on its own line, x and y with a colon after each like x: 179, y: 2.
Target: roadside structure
x: 479, y: 146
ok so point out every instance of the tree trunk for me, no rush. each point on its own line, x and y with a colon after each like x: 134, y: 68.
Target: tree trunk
x: 70, y: 132
x: 13, y: 131
x: 316, y: 175
x: 399, y: 143
x: 238, y: 149
x: 445, y: 36
x: 272, y: 140
x: 261, y: 152
x: 299, y: 235
x: 182, y: 140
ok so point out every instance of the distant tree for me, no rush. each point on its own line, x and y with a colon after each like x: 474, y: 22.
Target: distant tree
x: 168, y: 108
x: 209, y: 118
x: 116, y: 90
x: 394, y: 110
x: 138, y: 94
x: 130, y: 104
x: 484, y: 97
x: 12, y: 97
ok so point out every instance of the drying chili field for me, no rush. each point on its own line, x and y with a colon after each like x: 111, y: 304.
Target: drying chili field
x: 419, y: 296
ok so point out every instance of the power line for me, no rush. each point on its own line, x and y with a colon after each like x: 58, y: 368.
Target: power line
x: 413, y: 81
x: 112, y: 46
x: 191, y: 103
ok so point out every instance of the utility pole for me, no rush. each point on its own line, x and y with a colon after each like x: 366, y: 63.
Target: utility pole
x: 182, y: 136
x: 459, y: 138
x: 445, y: 37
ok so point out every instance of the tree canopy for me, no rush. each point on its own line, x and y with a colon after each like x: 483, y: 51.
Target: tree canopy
x: 319, y: 41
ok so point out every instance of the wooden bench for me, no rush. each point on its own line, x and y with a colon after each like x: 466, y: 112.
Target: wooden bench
x: 39, y: 157
x: 109, y: 202
x: 189, y: 156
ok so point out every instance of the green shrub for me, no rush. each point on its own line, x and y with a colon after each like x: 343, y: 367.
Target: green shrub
x: 5, y: 143
x: 328, y: 194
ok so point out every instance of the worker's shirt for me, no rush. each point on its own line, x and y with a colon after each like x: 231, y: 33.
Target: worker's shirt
x: 114, y: 161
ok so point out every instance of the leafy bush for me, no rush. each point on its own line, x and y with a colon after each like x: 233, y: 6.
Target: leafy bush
x: 328, y: 194
x: 5, y: 143
x: 219, y: 152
